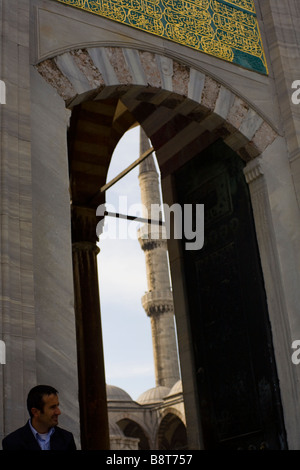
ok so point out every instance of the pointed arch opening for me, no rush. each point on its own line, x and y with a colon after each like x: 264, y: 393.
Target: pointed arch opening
x: 122, y: 278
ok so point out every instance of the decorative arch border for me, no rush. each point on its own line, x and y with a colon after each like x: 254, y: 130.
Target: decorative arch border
x: 81, y: 74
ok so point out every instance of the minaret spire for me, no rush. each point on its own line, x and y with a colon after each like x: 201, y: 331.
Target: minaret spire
x: 158, y: 301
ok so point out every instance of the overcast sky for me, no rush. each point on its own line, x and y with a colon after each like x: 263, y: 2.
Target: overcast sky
x: 126, y: 328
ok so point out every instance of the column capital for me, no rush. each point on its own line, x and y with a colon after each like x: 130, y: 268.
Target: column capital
x: 84, y: 223
x: 85, y: 246
x: 253, y: 170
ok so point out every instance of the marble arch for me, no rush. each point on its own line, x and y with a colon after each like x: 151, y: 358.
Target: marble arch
x: 99, y: 73
x: 181, y: 109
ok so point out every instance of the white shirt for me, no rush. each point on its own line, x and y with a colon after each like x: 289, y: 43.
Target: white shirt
x: 42, y: 439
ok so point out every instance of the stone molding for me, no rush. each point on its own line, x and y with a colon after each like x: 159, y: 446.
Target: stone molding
x: 253, y: 170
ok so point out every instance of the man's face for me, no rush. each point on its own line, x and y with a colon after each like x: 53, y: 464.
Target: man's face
x: 48, y: 417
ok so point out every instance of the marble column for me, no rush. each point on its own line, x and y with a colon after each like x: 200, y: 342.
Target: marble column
x: 276, y: 218
x: 91, y: 371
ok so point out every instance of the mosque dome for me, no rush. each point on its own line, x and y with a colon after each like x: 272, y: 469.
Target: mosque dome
x: 116, y: 394
x: 153, y: 395
x: 176, y: 389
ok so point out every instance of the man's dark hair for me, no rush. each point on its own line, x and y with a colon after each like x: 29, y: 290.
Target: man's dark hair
x: 35, y: 397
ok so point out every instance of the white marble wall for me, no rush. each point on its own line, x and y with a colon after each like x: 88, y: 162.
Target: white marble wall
x: 17, y: 320
x: 36, y: 311
x: 56, y: 356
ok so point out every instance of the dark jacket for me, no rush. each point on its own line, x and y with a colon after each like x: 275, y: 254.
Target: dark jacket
x: 23, y: 439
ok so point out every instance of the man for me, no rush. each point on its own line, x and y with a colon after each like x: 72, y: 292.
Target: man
x: 41, y: 432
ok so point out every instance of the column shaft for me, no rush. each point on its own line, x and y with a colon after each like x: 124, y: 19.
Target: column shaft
x: 91, y: 371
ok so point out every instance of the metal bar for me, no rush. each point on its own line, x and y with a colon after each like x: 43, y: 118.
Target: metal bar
x: 127, y: 170
x: 134, y: 218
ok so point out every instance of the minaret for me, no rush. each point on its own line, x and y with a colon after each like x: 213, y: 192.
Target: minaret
x: 158, y: 301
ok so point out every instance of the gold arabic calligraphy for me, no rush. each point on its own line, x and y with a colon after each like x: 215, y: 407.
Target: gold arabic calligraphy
x: 222, y: 28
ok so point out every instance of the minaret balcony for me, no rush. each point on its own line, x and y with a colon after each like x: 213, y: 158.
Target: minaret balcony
x: 156, y: 302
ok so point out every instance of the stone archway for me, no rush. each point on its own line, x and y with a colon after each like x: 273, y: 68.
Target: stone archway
x: 162, y: 85
x: 133, y: 429
x: 171, y: 434
x: 182, y: 111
